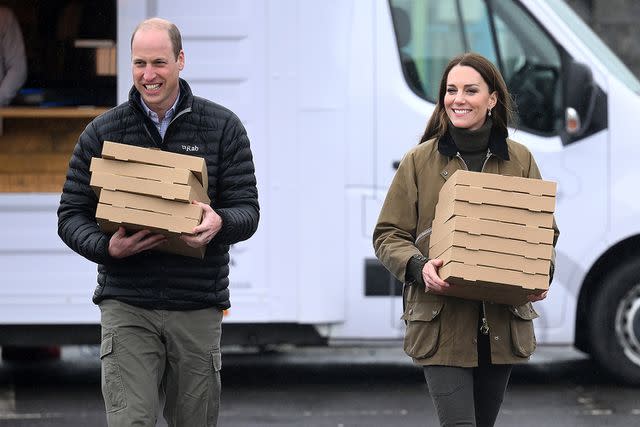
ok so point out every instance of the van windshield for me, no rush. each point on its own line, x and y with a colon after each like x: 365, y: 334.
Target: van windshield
x: 607, y: 57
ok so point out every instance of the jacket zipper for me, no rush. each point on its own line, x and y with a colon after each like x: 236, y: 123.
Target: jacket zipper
x: 146, y: 129
x: 484, y: 326
x: 182, y: 112
x: 185, y: 111
x: 486, y: 159
x: 464, y: 164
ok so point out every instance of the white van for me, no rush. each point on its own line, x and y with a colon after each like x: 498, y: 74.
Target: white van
x: 333, y: 93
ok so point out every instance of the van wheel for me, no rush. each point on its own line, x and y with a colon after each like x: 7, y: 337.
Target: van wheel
x: 614, y: 331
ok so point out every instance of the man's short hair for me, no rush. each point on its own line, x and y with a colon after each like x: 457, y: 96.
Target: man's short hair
x: 162, y: 24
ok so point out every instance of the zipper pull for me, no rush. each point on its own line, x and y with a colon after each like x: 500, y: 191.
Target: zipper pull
x: 484, y: 328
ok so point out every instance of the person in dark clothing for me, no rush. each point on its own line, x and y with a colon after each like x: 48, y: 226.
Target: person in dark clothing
x: 161, y: 313
x: 13, y: 60
x: 466, y: 347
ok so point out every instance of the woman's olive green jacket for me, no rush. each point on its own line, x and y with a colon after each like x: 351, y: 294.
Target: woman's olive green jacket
x: 442, y: 330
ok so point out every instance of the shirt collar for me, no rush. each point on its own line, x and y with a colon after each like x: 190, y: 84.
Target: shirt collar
x: 153, y: 114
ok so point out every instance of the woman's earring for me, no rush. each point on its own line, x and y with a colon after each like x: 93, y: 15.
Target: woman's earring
x: 489, y: 112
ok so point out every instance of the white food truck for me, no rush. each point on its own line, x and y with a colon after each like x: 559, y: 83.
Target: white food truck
x: 333, y: 93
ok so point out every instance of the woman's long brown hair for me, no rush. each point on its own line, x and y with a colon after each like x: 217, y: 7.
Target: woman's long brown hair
x: 502, y: 114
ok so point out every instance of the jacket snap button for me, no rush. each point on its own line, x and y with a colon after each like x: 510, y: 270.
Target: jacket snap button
x: 445, y: 173
x: 497, y: 338
x: 434, y: 312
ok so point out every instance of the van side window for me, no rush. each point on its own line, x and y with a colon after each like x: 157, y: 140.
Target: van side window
x: 430, y: 32
x: 531, y: 64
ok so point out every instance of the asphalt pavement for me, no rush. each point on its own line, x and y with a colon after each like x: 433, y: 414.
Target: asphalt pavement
x: 373, y: 386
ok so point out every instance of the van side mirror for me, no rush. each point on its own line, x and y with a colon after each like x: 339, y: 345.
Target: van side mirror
x: 581, y: 95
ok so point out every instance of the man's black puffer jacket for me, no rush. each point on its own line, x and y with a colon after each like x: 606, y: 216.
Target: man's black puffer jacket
x: 153, y: 279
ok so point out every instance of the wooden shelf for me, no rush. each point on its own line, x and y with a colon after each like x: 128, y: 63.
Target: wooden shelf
x: 34, y: 154
x: 51, y: 112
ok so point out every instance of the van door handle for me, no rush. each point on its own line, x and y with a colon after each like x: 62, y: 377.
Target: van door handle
x: 396, y: 164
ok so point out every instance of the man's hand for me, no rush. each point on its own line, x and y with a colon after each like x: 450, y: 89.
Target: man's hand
x: 207, y: 230
x: 121, y: 245
x: 430, y: 276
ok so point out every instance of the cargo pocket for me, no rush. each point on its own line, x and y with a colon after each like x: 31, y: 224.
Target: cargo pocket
x: 215, y: 388
x: 423, y: 328
x: 523, y: 339
x: 112, y: 385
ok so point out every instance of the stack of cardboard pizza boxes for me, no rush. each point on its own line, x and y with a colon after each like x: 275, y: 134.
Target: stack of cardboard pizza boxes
x: 142, y: 188
x: 495, y: 235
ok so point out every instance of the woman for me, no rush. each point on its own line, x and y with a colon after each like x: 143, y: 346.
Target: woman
x: 467, y: 347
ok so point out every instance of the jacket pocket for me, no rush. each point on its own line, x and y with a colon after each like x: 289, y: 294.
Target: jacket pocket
x: 423, y: 328
x: 523, y: 339
x: 112, y: 385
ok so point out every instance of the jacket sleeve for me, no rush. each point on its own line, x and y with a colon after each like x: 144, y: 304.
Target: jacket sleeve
x: 395, y: 232
x: 534, y: 172
x: 237, y: 201
x: 77, y: 225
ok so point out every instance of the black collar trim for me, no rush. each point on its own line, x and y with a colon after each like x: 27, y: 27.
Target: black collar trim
x: 497, y: 144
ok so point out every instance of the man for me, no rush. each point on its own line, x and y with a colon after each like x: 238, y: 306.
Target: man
x: 160, y: 313
x: 13, y: 62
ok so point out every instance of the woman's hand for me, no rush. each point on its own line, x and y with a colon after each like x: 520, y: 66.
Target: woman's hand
x: 430, y: 276
x: 537, y: 297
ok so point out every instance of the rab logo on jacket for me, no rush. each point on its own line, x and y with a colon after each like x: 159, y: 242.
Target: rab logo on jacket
x: 190, y: 148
